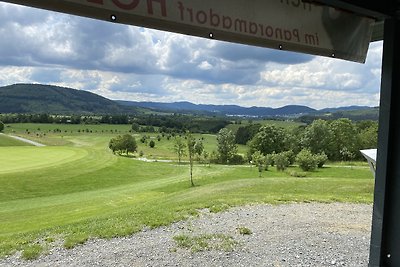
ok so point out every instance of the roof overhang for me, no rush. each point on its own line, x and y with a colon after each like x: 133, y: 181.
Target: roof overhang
x: 378, y: 10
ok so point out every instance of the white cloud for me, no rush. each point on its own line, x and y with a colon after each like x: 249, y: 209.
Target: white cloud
x: 131, y: 63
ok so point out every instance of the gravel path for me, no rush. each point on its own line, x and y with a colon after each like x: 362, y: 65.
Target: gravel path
x: 285, y: 235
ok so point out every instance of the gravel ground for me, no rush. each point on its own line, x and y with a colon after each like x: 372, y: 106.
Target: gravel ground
x: 285, y: 235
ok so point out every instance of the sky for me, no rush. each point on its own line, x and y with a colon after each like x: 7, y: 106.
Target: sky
x: 123, y: 62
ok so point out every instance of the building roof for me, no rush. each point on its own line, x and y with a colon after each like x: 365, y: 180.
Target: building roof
x: 379, y: 10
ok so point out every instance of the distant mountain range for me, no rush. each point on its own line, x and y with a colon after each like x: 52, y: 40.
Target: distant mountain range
x: 232, y: 110
x: 37, y: 98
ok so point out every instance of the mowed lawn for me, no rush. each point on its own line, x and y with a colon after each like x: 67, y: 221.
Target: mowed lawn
x: 9, y: 141
x: 81, y: 190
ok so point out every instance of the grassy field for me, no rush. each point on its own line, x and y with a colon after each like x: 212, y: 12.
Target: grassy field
x: 9, y: 141
x: 79, y: 189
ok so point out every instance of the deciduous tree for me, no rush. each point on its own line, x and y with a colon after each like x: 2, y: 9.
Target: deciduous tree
x: 125, y: 143
x: 319, y: 138
x: 191, y: 146
x: 226, y: 145
x: 346, y: 138
x: 268, y: 140
x: 179, y: 148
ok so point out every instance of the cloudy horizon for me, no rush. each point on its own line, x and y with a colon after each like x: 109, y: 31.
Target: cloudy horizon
x: 123, y: 62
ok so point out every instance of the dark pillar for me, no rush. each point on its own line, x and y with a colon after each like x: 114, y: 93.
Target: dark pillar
x: 385, y: 238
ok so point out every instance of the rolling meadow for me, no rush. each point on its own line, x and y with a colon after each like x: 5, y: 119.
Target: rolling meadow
x: 75, y: 188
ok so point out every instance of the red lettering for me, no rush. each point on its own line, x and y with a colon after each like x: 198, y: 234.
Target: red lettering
x: 227, y: 22
x: 163, y: 7
x: 214, y: 19
x: 269, y: 31
x: 253, y: 27
x: 130, y: 6
x: 261, y: 29
x: 288, y: 35
x: 296, y: 34
x: 201, y: 17
x: 190, y: 11
x: 181, y: 9
x: 278, y: 33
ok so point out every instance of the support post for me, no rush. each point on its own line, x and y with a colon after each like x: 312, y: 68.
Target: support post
x: 385, y: 237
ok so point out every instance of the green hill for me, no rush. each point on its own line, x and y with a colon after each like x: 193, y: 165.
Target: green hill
x: 354, y: 115
x: 36, y: 98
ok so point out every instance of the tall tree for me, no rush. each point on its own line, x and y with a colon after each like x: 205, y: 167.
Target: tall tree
x: 318, y: 138
x: 246, y: 133
x: 226, y: 145
x: 369, y: 137
x: 125, y: 143
x: 269, y: 139
x: 345, y: 136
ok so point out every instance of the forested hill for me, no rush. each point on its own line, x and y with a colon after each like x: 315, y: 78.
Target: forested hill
x: 233, y: 110
x: 36, y: 98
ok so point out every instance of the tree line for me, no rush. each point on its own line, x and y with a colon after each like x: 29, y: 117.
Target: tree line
x: 339, y: 139
x: 140, y: 123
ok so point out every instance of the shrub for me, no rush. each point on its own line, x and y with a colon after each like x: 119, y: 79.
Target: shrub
x: 290, y: 156
x: 1, y: 126
x: 237, y: 159
x: 321, y: 158
x: 306, y: 160
x: 152, y: 144
x: 281, y: 161
x: 258, y: 159
x: 270, y: 159
x: 297, y: 174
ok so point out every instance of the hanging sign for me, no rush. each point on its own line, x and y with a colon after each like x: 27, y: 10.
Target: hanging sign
x: 281, y: 24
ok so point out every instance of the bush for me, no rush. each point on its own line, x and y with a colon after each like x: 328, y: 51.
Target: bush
x: 270, y: 159
x: 237, y: 159
x: 321, y: 158
x: 290, y: 156
x: 306, y: 160
x: 281, y: 161
x: 152, y: 144
x: 1, y: 126
x: 297, y: 174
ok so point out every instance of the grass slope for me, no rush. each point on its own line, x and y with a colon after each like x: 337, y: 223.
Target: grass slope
x: 9, y: 141
x: 89, y: 192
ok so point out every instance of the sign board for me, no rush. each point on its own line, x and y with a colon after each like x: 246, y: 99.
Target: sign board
x: 281, y: 24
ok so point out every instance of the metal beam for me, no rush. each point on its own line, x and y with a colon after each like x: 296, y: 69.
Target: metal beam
x: 371, y: 8
x: 385, y: 237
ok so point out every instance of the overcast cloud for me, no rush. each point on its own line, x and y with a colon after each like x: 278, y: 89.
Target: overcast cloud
x: 132, y: 63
